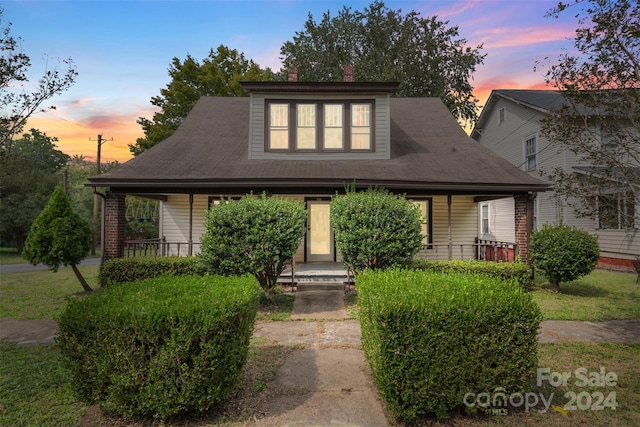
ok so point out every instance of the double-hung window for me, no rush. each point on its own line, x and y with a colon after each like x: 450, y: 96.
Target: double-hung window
x: 278, y: 126
x: 306, y: 127
x: 530, y: 153
x: 484, y: 218
x: 616, y: 211
x: 333, y: 127
x: 319, y: 126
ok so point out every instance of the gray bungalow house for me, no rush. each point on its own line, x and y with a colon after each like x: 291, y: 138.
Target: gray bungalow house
x: 309, y: 141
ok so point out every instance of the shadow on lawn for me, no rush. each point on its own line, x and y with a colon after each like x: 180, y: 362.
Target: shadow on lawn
x: 577, y: 289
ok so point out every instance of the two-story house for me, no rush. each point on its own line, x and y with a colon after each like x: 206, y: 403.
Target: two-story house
x: 309, y: 141
x: 510, y: 125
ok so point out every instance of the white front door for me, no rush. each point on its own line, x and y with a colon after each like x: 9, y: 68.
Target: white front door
x: 319, y: 232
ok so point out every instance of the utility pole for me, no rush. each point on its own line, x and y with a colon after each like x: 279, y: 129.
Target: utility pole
x: 96, y: 199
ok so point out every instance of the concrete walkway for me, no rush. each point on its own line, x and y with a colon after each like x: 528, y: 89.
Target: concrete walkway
x: 326, y: 380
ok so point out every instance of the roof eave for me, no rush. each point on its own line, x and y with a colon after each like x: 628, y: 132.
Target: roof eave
x: 467, y: 188
x: 320, y: 87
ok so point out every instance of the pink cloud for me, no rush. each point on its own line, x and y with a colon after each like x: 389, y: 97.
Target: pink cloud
x: 502, y: 37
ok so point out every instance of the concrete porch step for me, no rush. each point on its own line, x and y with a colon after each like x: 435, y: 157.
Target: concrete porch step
x: 315, y: 272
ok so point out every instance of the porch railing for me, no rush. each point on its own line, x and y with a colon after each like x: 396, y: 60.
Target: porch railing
x: 158, y: 247
x: 489, y: 250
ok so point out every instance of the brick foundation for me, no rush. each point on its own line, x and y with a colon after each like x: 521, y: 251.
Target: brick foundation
x: 616, y: 264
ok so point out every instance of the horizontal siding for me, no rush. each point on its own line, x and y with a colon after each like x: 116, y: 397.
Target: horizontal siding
x: 464, y: 224
x: 502, y: 222
x: 623, y: 244
x: 175, y: 220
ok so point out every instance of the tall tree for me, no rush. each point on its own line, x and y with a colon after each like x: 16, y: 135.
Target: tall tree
x: 600, y: 121
x: 30, y: 169
x: 423, y: 54
x: 218, y: 75
x: 17, y: 103
x: 59, y: 236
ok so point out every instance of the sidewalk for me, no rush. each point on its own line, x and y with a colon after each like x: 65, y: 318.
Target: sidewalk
x: 326, y: 380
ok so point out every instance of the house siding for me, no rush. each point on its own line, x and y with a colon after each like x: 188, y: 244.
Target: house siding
x: 464, y: 224
x: 501, y: 221
x: 507, y: 140
x: 174, y: 227
x: 382, y: 128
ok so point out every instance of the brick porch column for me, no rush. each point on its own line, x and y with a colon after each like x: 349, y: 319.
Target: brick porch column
x: 524, y: 224
x: 114, y: 223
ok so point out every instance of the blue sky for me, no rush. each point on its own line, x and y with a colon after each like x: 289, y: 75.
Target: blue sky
x: 123, y: 48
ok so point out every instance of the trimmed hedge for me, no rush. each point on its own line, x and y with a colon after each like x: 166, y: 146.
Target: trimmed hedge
x: 431, y: 338
x: 123, y: 270
x: 517, y: 272
x: 162, y: 347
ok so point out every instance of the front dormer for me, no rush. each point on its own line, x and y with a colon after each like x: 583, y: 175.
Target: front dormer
x: 319, y: 121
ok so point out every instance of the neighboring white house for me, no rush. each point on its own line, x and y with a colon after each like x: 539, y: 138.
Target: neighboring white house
x: 509, y: 125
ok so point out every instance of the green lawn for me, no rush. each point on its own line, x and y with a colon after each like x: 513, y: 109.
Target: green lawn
x: 11, y: 256
x: 602, y: 295
x: 35, y: 390
x: 41, y: 294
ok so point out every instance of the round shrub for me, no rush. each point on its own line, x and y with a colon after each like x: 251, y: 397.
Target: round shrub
x: 376, y: 229
x: 161, y: 347
x: 563, y: 253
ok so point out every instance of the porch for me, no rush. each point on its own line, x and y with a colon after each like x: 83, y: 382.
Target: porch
x: 488, y: 250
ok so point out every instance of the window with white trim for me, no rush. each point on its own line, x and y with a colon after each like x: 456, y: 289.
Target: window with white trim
x: 319, y: 126
x: 530, y: 153
x: 501, y: 115
x: 484, y: 219
x: 616, y: 211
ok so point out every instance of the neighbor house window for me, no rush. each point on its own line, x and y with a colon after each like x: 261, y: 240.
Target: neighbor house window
x: 484, y: 218
x: 616, y: 211
x: 501, y: 113
x: 331, y: 126
x: 530, y: 153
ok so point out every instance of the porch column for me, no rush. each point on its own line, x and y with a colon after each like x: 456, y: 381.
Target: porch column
x: 190, y: 250
x: 114, y: 225
x: 449, y: 229
x: 524, y: 224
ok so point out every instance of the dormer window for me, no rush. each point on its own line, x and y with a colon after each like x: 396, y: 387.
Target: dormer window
x: 320, y: 126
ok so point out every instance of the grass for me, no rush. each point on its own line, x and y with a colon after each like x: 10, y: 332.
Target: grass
x: 602, y: 295
x: 35, y: 389
x: 11, y: 256
x: 41, y: 294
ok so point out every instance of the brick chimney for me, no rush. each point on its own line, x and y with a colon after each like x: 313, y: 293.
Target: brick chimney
x: 292, y: 74
x: 348, y: 73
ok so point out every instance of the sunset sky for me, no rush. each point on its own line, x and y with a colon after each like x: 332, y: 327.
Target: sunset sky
x: 123, y: 49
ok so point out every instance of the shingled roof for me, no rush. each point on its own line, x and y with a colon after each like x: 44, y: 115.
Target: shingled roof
x: 430, y: 152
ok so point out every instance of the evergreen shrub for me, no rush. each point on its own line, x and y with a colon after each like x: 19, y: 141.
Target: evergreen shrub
x: 564, y: 253
x: 159, y: 348
x: 431, y: 338
x: 518, y: 272
x: 123, y: 270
